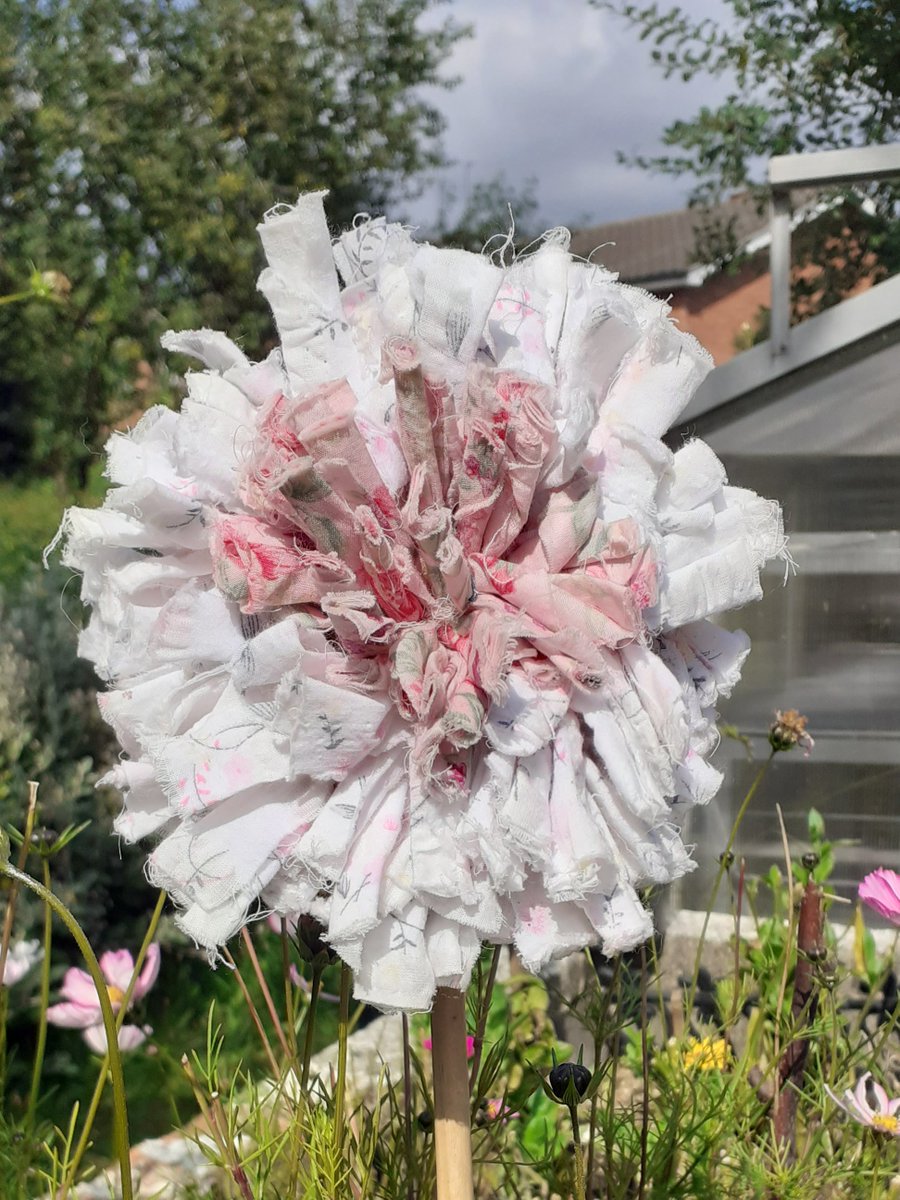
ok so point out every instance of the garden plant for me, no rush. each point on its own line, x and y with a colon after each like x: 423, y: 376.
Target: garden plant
x: 407, y: 631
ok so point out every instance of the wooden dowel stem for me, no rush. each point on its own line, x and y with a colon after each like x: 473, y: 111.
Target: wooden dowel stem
x: 452, y: 1125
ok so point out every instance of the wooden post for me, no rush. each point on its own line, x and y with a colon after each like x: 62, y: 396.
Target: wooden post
x: 452, y: 1125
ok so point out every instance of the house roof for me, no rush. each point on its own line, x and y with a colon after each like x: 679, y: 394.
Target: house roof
x: 660, y: 250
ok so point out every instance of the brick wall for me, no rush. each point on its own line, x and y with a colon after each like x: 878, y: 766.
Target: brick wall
x: 717, y: 311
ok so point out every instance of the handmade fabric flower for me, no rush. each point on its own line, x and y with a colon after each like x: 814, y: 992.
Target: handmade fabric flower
x: 80, y: 1008
x: 20, y: 958
x: 406, y: 626
x: 881, y: 1115
x: 880, y: 890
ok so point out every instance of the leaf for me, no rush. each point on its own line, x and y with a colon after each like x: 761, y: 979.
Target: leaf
x: 826, y: 863
x: 540, y: 1135
x: 815, y: 825
x: 859, y: 937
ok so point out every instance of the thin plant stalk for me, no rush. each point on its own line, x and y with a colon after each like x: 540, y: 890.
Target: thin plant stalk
x: 613, y: 1079
x: 314, y: 987
x: 100, y: 1086
x: 41, y: 1044
x: 407, y: 1109
x: 804, y: 1004
x: 723, y: 867
x: 8, y: 923
x: 218, y: 1132
x: 343, y: 1023
x: 254, y: 1014
x: 876, y: 1169
x: 785, y: 967
x: 10, y: 913
x: 592, y: 1134
x: 290, y: 1007
x: 120, y: 1109
x: 645, y: 1077
x: 264, y: 988
x: 481, y: 1022
x: 738, y: 912
x: 578, y: 1156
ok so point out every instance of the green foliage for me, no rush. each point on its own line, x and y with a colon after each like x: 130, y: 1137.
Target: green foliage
x: 667, y: 1115
x: 493, y: 209
x: 51, y: 731
x: 801, y: 77
x: 31, y: 514
x: 142, y: 140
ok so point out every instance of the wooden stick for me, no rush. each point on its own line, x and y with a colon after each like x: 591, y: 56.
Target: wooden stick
x: 452, y: 1125
x: 792, y: 1067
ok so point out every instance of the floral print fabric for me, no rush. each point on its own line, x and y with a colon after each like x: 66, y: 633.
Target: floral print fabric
x: 406, y: 627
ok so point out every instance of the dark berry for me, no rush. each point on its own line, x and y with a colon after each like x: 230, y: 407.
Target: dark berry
x: 426, y: 1121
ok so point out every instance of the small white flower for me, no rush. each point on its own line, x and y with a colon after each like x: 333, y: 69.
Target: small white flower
x: 21, y: 958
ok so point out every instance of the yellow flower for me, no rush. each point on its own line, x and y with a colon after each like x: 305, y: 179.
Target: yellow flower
x: 706, y: 1054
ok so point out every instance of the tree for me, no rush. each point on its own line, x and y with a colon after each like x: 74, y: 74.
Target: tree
x: 492, y: 212
x: 803, y: 76
x: 141, y: 142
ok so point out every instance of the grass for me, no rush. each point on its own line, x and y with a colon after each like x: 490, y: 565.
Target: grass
x: 29, y: 517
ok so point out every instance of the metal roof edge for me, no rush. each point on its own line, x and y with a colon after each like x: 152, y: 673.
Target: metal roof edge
x: 851, y: 321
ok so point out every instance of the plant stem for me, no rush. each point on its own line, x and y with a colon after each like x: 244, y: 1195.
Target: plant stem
x: 616, y: 989
x: 407, y: 1109
x: 792, y: 1067
x: 218, y: 1130
x: 84, y: 1139
x: 20, y: 864
x: 483, y: 1013
x: 579, y: 1158
x: 120, y: 1110
x: 341, y: 1088
x: 254, y: 1014
x: 44, y: 1004
x: 876, y: 1167
x: 289, y: 999
x: 738, y: 912
x: 264, y: 988
x: 723, y: 867
x: 310, y: 1024
x: 645, y: 1076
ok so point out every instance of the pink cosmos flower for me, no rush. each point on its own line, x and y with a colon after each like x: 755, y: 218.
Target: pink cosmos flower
x: 496, y: 1110
x: 19, y: 961
x: 80, y: 1008
x: 880, y: 1116
x: 470, y: 1045
x: 881, y: 891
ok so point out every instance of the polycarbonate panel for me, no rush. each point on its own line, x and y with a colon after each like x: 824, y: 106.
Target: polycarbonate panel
x: 828, y: 644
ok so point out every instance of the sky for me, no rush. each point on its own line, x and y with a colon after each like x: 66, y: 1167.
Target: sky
x: 551, y: 89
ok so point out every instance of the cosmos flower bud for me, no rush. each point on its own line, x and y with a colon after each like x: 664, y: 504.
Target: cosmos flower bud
x: 569, y: 1077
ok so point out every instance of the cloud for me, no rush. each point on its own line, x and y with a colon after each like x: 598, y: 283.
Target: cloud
x: 551, y: 90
